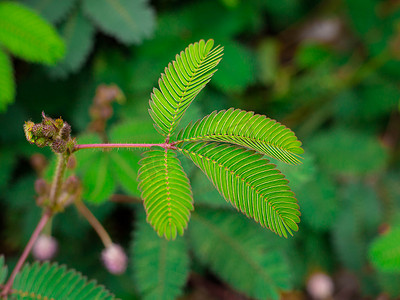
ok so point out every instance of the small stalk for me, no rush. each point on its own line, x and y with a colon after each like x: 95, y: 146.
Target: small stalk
x: 102, y: 233
x: 57, y: 179
x: 109, y: 146
x: 42, y: 223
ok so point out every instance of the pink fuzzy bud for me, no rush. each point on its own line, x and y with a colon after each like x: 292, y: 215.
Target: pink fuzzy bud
x: 320, y: 286
x: 45, y: 247
x: 114, y: 259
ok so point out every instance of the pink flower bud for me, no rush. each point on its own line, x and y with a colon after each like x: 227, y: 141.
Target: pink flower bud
x: 320, y: 286
x: 114, y: 259
x: 45, y: 247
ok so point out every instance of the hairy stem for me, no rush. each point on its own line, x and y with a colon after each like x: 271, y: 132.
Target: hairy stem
x: 107, y: 146
x: 102, y: 233
x: 42, y: 223
x: 57, y: 179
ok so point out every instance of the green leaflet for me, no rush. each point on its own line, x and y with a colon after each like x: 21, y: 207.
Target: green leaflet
x: 7, y: 84
x: 184, y: 78
x: 129, y: 21
x: 27, y: 35
x: 249, y: 182
x: 52, y: 10
x: 384, y: 251
x: 39, y: 281
x: 246, y: 129
x: 166, y: 192
x: 238, y: 252
x: 160, y: 267
x: 3, y: 270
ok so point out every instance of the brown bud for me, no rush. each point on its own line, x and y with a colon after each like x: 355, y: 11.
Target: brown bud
x: 65, y: 131
x: 71, y: 184
x: 38, y: 162
x: 49, y: 131
x: 41, y: 187
x: 37, y: 130
x: 41, y: 142
x: 71, y: 163
x: 59, y: 146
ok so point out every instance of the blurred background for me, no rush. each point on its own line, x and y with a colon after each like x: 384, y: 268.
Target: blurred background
x: 329, y: 70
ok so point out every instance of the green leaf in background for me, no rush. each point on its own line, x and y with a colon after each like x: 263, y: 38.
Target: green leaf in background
x: 129, y: 21
x: 78, y: 33
x: 52, y: 10
x: 166, y: 192
x: 7, y: 84
x: 3, y: 270
x: 7, y: 162
x: 27, y: 35
x: 249, y: 182
x: 38, y: 281
x: 346, y: 151
x: 390, y: 283
x: 384, y: 251
x: 160, y: 267
x: 362, y: 15
x: 125, y: 166
x: 267, y: 61
x: 237, y: 70
x: 238, y: 252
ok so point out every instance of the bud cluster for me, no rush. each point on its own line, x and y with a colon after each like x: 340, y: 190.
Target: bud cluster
x: 50, y: 132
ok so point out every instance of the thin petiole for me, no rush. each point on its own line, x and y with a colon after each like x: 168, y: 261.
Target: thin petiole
x: 109, y: 146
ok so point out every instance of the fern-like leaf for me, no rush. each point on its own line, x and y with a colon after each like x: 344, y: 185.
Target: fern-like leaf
x: 246, y: 129
x: 184, y: 78
x: 385, y: 251
x: 249, y: 182
x: 51, y: 281
x: 26, y: 35
x: 160, y: 267
x: 7, y: 84
x: 236, y: 250
x: 166, y: 192
x: 3, y: 270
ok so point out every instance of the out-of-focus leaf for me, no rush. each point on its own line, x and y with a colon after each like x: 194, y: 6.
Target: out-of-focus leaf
x: 3, y: 270
x: 129, y: 21
x: 346, y: 151
x: 7, y: 84
x: 311, y: 54
x: 78, y: 33
x: 125, y: 166
x: 26, y: 35
x: 362, y: 15
x: 160, y: 267
x: 52, y: 10
x: 390, y: 283
x: 7, y: 161
x: 267, y: 61
x: 384, y: 251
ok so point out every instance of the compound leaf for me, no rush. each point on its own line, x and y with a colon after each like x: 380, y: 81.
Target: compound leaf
x: 184, y: 78
x: 234, y: 248
x: 249, y: 182
x: 160, y: 267
x: 51, y: 281
x: 26, y: 35
x: 246, y: 129
x: 129, y: 21
x: 7, y: 84
x: 166, y: 192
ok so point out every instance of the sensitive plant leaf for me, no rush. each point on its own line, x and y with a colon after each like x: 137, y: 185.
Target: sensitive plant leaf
x: 7, y: 84
x: 3, y: 270
x: 384, y: 252
x: 78, y: 34
x: 160, y: 267
x: 129, y: 21
x: 184, y: 78
x: 239, y: 253
x: 166, y: 192
x: 249, y: 182
x: 51, y: 281
x: 248, y: 130
x: 27, y: 35
x: 52, y: 10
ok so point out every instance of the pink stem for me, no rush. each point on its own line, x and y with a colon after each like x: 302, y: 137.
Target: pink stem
x: 104, y: 146
x: 42, y: 223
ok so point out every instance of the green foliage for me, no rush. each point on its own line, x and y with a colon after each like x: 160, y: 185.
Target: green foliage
x: 7, y: 84
x: 128, y: 21
x: 3, y: 270
x: 384, y: 251
x: 239, y: 253
x: 166, y: 192
x: 52, y: 10
x: 182, y: 81
x: 249, y: 182
x: 39, y: 281
x: 160, y: 267
x: 28, y: 36
x: 246, y: 129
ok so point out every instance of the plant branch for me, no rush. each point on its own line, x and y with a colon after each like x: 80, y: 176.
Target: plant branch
x: 58, y: 175
x: 42, y: 223
x: 102, y: 233
x: 106, y: 146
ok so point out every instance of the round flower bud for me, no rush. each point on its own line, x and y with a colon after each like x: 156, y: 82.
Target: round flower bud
x: 65, y: 131
x: 40, y: 186
x: 320, y: 286
x: 114, y: 259
x: 37, y: 130
x: 71, y: 184
x: 59, y: 146
x: 45, y: 247
x: 41, y: 142
x: 49, y: 131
